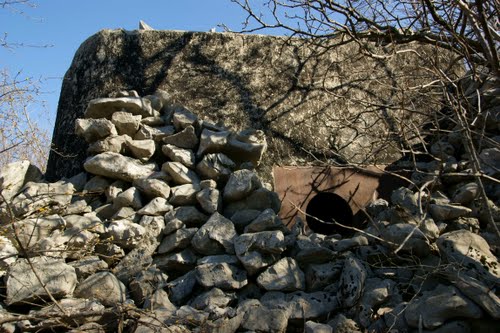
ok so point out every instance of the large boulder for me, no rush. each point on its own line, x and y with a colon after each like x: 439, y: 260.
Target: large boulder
x: 268, y: 83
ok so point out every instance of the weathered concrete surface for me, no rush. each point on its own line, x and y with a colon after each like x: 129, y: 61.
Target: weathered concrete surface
x: 264, y: 82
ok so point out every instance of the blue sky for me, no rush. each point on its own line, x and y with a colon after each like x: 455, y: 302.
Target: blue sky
x: 65, y: 24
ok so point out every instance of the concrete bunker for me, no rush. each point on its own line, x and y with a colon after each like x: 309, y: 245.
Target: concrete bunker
x: 317, y: 194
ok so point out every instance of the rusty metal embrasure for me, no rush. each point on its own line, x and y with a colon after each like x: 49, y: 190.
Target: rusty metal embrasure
x: 330, y: 193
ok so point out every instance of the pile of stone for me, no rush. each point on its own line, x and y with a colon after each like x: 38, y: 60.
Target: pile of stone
x: 170, y: 229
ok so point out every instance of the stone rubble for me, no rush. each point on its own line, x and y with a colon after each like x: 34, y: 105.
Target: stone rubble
x: 171, y: 221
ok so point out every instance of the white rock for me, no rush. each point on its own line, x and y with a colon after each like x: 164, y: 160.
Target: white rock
x: 153, y: 187
x: 180, y: 239
x: 128, y: 198
x: 126, y: 123
x: 216, y: 236
x: 114, y: 144
x: 105, y: 107
x: 284, y: 275
x: 126, y: 233
x: 241, y: 184
x: 222, y: 276
x: 8, y: 254
x: 184, y: 139
x: 142, y: 149
x: 12, y: 179
x: 209, y: 199
x: 116, y: 166
x: 184, y: 194
x: 157, y: 206
x: 180, y: 173
x: 212, y: 142
x: 176, y: 154
x: 104, y: 287
x: 94, y: 129
x: 52, y: 275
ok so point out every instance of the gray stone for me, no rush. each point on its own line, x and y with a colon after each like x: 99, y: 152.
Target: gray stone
x: 8, y: 254
x: 218, y: 259
x: 12, y: 179
x: 96, y: 185
x: 318, y: 276
x: 105, y: 107
x: 28, y: 281
x: 180, y: 262
x: 30, y: 232
x: 490, y: 160
x: 241, y: 184
x: 172, y: 225
x: 180, y: 239
x: 352, y: 281
x: 284, y: 275
x: 304, y: 306
x: 116, y: 166
x: 186, y: 138
x: 416, y: 243
x: 159, y: 300
x: 126, y: 123
x: 247, y: 145
x: 348, y: 243
x: 128, y: 198
x: 209, y: 199
x: 215, y: 297
x: 125, y: 233
x: 157, y: 206
x: 146, y: 283
x: 94, y: 129
x: 216, y: 236
x: 465, y: 194
x: 443, y: 212
x: 184, y: 194
x: 258, y: 318
x: 375, y: 293
x: 260, y: 199
x: 442, y: 149
x: 312, y: 327
x: 183, y: 118
x: 342, y: 324
x: 157, y: 134
x: 470, y: 252
x: 478, y: 292
x: 68, y: 311
x: 181, y: 288
x: 267, y: 220
x: 87, y: 266
x: 126, y: 213
x: 215, y: 166
x: 190, y: 316
x: 153, y: 121
x: 153, y: 187
x: 114, y: 189
x: 259, y: 250
x: 113, y: 144
x: 244, y: 217
x: 180, y: 174
x: 104, y: 287
x: 47, y: 197
x: 222, y: 276
x: 439, y: 305
x: 143, y: 150
x: 189, y: 215
x: 176, y: 154
x: 77, y: 207
x: 315, y: 255
x: 212, y: 141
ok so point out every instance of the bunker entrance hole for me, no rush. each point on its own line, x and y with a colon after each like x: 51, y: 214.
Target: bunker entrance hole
x: 325, y: 208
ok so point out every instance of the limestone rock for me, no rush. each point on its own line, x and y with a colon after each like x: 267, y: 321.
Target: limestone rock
x: 143, y: 150
x: 157, y: 134
x: 94, y: 129
x: 184, y: 194
x: 184, y: 139
x: 260, y: 199
x: 442, y: 212
x: 146, y: 283
x: 53, y: 275
x: 30, y: 232
x: 180, y: 239
x: 466, y: 193
x: 87, y: 266
x: 105, y: 107
x: 126, y: 123
x: 128, y: 198
x: 189, y: 215
x: 157, y: 206
x: 209, y: 199
x: 212, y: 142
x: 267, y: 220
x: 240, y: 184
x: 216, y: 236
x: 397, y: 234
x: 312, y: 327
x: 440, y: 305
x: 215, y: 297
x: 176, y: 154
x: 153, y: 187
x: 222, y: 276
x: 116, y: 166
x: 126, y: 233
x: 183, y: 118
x: 8, y: 254
x: 284, y: 275
x: 311, y: 305
x: 215, y: 166
x: 12, y: 179
x: 352, y: 281
x: 180, y: 262
x: 104, y: 287
x: 318, y: 276
x: 180, y: 173
x: 181, y: 288
x: 342, y: 324
x: 469, y: 250
x: 490, y: 160
x: 247, y: 145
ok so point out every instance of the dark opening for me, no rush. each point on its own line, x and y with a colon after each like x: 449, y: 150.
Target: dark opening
x: 329, y: 207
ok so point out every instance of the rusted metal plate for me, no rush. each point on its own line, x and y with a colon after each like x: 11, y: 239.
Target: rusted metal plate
x: 296, y: 186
